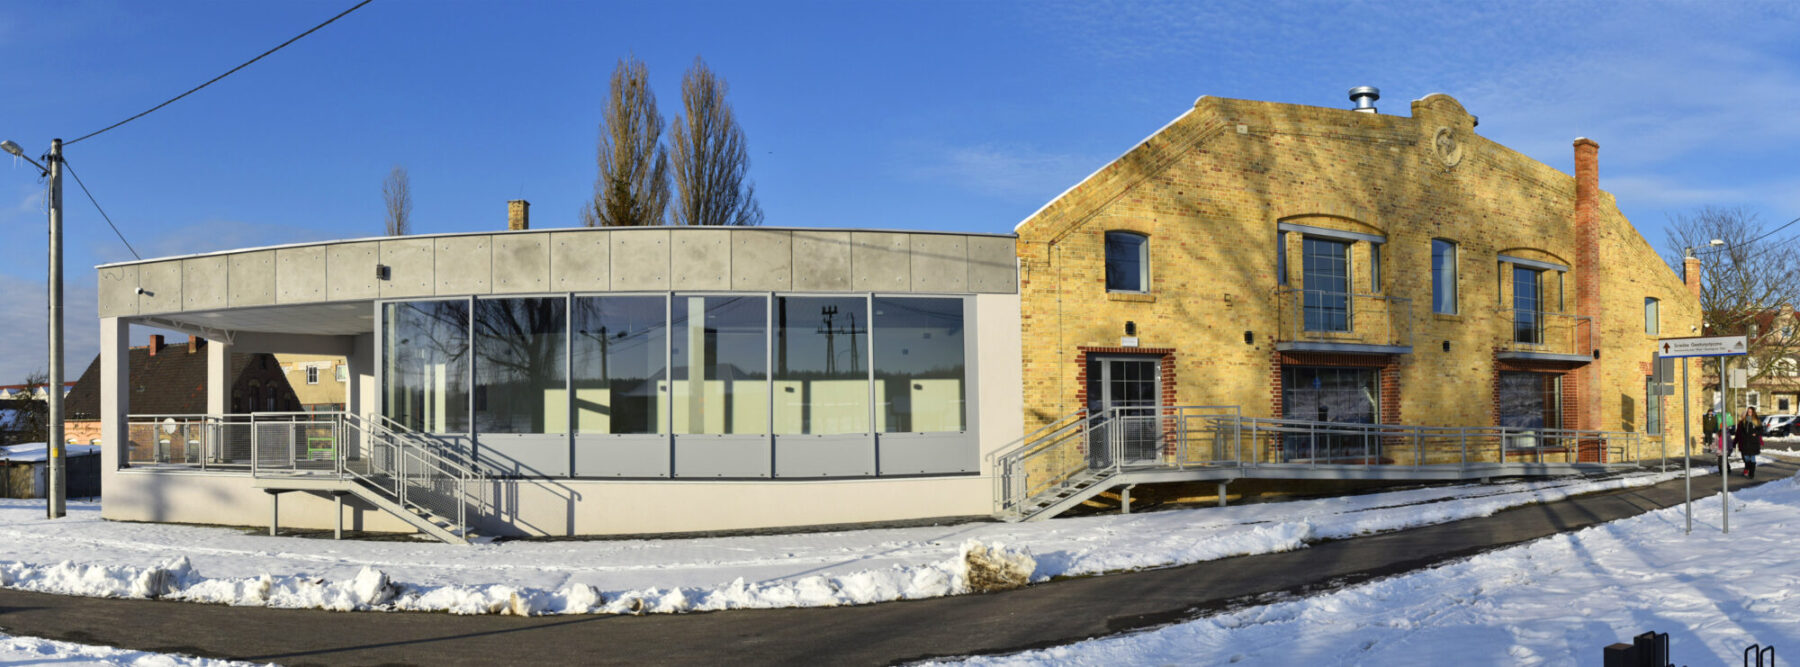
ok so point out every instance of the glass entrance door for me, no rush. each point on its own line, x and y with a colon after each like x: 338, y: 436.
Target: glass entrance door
x: 1123, y: 396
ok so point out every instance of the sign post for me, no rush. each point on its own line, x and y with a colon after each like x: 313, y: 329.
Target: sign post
x: 1710, y: 346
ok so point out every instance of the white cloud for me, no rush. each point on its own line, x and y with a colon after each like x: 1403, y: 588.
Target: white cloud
x: 26, y: 314
x: 1005, y: 171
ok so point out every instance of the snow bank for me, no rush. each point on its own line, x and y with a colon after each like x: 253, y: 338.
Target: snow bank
x: 1558, y: 600
x: 83, y: 555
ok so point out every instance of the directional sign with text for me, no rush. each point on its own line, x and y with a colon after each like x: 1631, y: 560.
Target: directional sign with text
x: 1711, y: 346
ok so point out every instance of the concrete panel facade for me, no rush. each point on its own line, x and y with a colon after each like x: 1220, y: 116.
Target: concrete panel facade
x: 300, y: 274
x: 701, y: 260
x: 581, y: 261
x: 640, y: 260
x: 118, y: 291
x: 203, y: 283
x: 993, y: 268
x: 350, y: 270
x: 762, y: 260
x: 521, y: 263
x: 940, y: 263
x: 465, y: 265
x: 573, y: 260
x: 411, y: 266
x: 882, y: 261
x: 822, y: 261
x: 252, y: 279
x: 161, y: 283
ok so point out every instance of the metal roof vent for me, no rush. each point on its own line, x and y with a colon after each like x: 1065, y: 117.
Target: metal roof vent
x: 1364, y: 97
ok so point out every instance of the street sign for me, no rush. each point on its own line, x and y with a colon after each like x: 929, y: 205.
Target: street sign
x: 1712, y: 346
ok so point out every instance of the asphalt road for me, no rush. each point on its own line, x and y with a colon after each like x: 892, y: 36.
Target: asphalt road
x: 1042, y: 615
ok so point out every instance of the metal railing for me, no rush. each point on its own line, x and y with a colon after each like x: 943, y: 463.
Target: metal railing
x: 415, y: 470
x: 1080, y: 445
x: 1338, y: 317
x: 1081, y: 449
x: 1547, y: 333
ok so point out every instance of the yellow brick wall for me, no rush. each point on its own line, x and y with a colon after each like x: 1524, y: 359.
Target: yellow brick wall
x: 1209, y: 191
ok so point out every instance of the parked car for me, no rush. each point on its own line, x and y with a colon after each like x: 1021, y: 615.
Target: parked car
x: 1780, y: 425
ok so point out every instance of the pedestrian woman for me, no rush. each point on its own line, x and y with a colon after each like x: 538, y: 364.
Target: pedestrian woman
x: 1749, y: 440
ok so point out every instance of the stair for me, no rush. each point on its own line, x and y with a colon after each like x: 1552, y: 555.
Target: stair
x: 1058, y: 499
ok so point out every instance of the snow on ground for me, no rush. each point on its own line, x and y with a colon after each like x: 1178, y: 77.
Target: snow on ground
x: 83, y: 555
x: 1559, y: 600
x: 34, y: 651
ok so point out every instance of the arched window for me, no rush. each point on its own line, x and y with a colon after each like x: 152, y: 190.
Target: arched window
x: 1127, y: 262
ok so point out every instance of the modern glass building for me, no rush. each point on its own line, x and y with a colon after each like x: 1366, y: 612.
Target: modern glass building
x: 596, y: 381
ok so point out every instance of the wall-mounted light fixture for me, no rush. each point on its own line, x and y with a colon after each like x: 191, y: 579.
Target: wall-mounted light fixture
x: 382, y: 272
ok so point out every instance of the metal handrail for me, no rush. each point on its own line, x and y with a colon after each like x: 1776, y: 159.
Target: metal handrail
x: 1557, y: 333
x: 401, y: 463
x: 1078, y: 453
x: 1373, y: 319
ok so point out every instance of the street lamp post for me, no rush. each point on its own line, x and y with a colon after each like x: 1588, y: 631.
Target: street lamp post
x: 58, y: 478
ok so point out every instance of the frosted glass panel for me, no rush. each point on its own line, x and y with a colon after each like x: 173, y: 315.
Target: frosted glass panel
x: 919, y: 366
x: 521, y: 360
x: 618, y: 350
x: 721, y: 367
x: 425, y: 345
x: 822, y: 364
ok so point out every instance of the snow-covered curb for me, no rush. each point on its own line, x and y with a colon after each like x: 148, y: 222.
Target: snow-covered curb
x: 35, y: 651
x: 1070, y: 547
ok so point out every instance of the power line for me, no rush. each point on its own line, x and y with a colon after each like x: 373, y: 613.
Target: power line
x: 221, y: 76
x: 109, y: 222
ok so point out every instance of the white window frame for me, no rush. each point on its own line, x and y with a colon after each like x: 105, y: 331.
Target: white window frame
x: 312, y: 374
x: 1652, y: 316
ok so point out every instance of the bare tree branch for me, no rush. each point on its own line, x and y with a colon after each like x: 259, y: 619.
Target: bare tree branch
x: 710, y: 158
x: 633, y: 186
x: 396, y: 192
x: 1748, y: 287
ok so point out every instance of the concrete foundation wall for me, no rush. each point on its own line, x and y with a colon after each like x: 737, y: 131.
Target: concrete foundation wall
x: 564, y: 507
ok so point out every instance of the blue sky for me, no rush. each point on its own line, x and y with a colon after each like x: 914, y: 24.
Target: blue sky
x: 916, y: 115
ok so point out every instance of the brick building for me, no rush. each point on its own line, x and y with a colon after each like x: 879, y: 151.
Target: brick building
x: 1346, y: 265
x: 171, y: 380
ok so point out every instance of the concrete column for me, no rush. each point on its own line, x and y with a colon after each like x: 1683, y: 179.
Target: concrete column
x: 218, y: 377
x: 359, y: 389
x: 115, y: 398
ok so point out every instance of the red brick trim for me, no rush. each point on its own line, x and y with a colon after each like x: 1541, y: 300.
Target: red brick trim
x: 1388, y: 377
x: 1572, y: 394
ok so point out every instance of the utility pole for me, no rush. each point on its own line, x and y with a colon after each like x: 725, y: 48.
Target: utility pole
x: 57, y: 494
x: 59, y: 487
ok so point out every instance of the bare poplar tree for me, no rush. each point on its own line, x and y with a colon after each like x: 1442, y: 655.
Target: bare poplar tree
x: 1748, y: 286
x: 633, y: 186
x: 396, y: 191
x: 710, y: 159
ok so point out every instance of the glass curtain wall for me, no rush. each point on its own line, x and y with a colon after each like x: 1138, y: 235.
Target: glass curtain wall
x: 720, y: 364
x: 821, y: 365
x: 521, y: 357
x: 619, y: 347
x: 427, y: 376
x: 919, y: 366
x: 682, y: 364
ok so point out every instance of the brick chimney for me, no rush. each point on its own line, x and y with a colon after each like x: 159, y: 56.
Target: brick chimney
x: 193, y: 343
x: 156, y: 343
x: 1588, y: 267
x: 518, y: 214
x: 1690, y: 273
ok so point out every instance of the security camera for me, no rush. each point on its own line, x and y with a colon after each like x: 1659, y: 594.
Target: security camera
x: 141, y: 291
